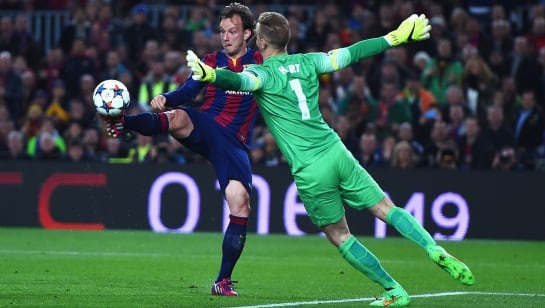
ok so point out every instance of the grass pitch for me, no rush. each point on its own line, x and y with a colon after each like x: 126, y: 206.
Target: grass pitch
x: 45, y: 268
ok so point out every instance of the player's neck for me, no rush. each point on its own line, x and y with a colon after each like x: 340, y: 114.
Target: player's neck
x: 269, y: 52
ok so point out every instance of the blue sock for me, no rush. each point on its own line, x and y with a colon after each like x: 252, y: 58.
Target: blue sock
x: 233, y: 243
x: 147, y: 123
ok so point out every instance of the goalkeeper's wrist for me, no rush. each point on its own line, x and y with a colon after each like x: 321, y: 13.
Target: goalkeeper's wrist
x: 391, y: 39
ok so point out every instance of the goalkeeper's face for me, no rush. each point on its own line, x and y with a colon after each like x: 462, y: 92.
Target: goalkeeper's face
x: 233, y: 36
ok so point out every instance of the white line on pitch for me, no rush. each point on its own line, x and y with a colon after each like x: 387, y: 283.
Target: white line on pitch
x: 84, y: 253
x: 427, y: 295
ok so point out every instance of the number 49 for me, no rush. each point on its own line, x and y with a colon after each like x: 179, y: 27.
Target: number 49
x: 459, y: 223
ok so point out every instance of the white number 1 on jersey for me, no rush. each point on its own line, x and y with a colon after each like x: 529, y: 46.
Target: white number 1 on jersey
x: 295, y: 85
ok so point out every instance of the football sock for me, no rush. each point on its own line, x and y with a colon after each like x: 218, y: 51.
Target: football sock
x: 365, y: 261
x: 409, y: 227
x: 233, y: 243
x: 147, y: 123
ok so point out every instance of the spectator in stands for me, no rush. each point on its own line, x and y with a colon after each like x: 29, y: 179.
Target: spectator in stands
x: 79, y: 27
x: 75, y: 65
x: 420, y: 61
x: 138, y: 32
x: 416, y: 97
x: 51, y: 68
x: 143, y: 149
x: 496, y: 131
x: 405, y: 133
x: 498, y: 47
x: 171, y: 35
x: 505, y: 159
x: 358, y: 104
x: 46, y: 148
x: 536, y: 37
x: 345, y: 130
x: 30, y: 88
x: 107, y: 32
x: 151, y: 52
x: 78, y: 111
x: 6, y: 125
x: 442, y: 71
x: 58, y: 105
x: 369, y: 153
x: 391, y: 111
x: 478, y: 83
x: 318, y: 29
x: 75, y: 152
x: 257, y: 153
x: 116, y: 152
x: 113, y: 67
x: 48, y: 144
x: 529, y: 125
x: 526, y: 70
x: 92, y: 143
x: 27, y: 46
x: 403, y: 156
x: 175, y: 67
x: 11, y: 87
x: 456, y: 120
x: 8, y: 37
x: 87, y: 84
x: 15, y: 146
x: 73, y: 131
x: 155, y: 83
x: 475, y: 151
x: 447, y: 157
x: 439, y: 139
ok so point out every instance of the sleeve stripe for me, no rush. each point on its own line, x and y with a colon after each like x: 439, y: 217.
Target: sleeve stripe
x: 333, y: 59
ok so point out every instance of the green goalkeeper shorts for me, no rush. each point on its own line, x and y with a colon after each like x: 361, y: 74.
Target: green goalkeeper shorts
x: 333, y: 178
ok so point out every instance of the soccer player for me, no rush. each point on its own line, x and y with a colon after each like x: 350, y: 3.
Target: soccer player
x: 220, y: 130
x: 325, y: 172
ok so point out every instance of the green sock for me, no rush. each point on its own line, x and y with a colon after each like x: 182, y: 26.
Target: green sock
x: 365, y: 261
x: 407, y: 225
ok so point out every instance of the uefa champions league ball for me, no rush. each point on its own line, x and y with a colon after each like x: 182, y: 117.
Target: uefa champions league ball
x: 111, y: 97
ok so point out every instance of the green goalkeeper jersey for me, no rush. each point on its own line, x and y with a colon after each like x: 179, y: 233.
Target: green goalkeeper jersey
x: 286, y: 89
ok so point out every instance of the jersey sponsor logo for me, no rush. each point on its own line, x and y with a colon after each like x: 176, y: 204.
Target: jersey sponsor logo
x: 233, y: 92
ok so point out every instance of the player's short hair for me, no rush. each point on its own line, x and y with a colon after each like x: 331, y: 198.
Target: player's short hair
x: 246, y: 16
x: 275, y: 29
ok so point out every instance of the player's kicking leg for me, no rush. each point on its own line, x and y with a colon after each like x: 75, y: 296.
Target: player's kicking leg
x: 454, y: 267
x: 357, y: 255
x: 410, y: 228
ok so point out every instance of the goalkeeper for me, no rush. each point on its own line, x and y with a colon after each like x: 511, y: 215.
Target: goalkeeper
x: 325, y: 172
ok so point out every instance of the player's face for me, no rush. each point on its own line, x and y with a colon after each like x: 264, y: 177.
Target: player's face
x: 233, y: 36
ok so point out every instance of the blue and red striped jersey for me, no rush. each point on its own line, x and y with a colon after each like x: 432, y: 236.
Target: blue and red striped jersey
x: 236, y: 111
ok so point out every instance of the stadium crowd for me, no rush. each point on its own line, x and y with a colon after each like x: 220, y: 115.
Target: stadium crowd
x: 471, y: 97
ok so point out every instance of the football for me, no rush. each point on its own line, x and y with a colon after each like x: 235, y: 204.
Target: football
x: 111, y: 97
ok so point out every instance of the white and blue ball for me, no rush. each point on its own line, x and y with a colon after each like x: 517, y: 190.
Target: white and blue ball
x: 111, y: 97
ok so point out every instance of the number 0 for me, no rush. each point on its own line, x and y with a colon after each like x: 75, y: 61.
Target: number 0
x: 295, y: 85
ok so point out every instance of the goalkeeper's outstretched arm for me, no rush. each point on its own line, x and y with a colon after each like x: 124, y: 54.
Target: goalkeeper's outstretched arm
x: 414, y: 28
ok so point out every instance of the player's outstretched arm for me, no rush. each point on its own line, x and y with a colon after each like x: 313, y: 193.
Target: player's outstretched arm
x: 223, y: 78
x: 414, y: 28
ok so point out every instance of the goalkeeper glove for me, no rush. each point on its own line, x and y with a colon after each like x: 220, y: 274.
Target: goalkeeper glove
x: 414, y: 28
x: 201, y: 71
